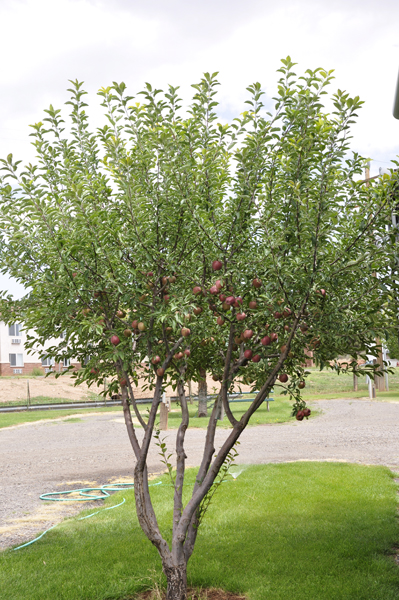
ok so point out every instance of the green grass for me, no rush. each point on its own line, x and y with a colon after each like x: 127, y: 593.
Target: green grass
x: 280, y: 411
x: 307, y: 531
x: 319, y: 385
x: 327, y: 384
x: 8, y: 419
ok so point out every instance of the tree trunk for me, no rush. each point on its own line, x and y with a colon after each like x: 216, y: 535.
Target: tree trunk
x: 355, y: 381
x: 176, y: 577
x: 202, y: 394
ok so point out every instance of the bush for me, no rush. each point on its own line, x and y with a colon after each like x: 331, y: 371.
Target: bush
x: 37, y: 372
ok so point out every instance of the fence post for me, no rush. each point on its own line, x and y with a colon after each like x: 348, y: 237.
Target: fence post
x: 163, y: 413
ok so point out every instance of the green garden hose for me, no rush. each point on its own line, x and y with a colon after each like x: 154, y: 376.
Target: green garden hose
x: 104, y: 489
x: 87, y: 496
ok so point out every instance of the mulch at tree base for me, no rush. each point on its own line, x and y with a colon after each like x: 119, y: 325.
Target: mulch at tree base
x: 192, y: 594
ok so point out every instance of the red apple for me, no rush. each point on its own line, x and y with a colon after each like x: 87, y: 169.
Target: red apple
x: 74, y: 274
x: 127, y: 332
x: 277, y: 315
x: 301, y: 385
x: 197, y: 290
x: 115, y: 340
x: 141, y: 326
x: 287, y: 312
x: 185, y: 331
x: 220, y: 320
x: 150, y: 274
x: 164, y: 280
x: 274, y: 337
x: 160, y: 372
x: 306, y: 412
x: 94, y: 371
x: 256, y: 358
x: 283, y: 348
x: 286, y: 327
x: 197, y: 311
x: 248, y: 333
x: 166, y: 299
x: 172, y: 279
x: 315, y: 342
x: 135, y: 324
x: 265, y: 341
x: 121, y: 314
x: 248, y: 354
x: 214, y: 289
x: 222, y: 297
x: 230, y: 300
x: 156, y: 360
x: 252, y: 304
x: 240, y: 316
x: 299, y: 415
x: 123, y: 382
x: 217, y: 265
x: 187, y: 352
x: 238, y: 300
x: 283, y: 377
x: 257, y: 283
x: 218, y: 284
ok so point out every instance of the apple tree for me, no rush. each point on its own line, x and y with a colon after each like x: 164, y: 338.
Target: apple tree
x: 168, y: 243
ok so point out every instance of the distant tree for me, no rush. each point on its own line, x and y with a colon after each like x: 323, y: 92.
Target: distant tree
x: 164, y: 245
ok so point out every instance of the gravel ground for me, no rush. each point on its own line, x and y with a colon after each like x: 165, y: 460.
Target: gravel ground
x: 64, y: 454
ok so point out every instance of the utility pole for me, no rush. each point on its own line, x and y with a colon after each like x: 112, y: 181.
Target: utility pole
x: 376, y: 382
x: 396, y: 100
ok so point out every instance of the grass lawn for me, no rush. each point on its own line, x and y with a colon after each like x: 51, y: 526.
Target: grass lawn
x: 26, y: 416
x: 319, y: 385
x: 306, y: 531
x: 280, y: 411
x: 327, y: 384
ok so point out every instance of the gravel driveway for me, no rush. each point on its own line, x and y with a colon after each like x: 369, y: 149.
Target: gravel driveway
x: 56, y: 455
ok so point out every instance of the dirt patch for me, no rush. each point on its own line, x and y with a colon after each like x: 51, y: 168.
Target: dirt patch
x: 15, y: 389
x: 192, y: 594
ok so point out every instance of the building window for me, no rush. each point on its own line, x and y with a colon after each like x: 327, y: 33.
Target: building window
x: 66, y: 362
x: 16, y: 360
x: 47, y: 361
x: 63, y: 335
x: 14, y: 330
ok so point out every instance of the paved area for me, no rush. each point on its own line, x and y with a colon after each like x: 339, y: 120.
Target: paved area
x: 47, y: 456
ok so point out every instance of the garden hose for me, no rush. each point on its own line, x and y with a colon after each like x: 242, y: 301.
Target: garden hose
x: 104, y: 489
x: 87, y: 496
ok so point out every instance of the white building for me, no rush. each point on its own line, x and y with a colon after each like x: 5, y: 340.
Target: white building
x: 14, y: 357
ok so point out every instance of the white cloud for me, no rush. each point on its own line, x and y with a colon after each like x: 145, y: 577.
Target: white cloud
x: 46, y: 43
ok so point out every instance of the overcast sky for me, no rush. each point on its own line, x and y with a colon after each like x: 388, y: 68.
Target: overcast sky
x: 44, y: 43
